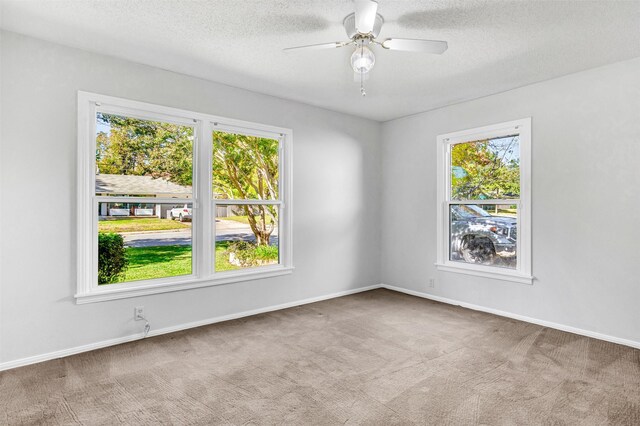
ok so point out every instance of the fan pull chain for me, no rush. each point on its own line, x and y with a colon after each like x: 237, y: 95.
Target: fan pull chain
x: 362, y: 91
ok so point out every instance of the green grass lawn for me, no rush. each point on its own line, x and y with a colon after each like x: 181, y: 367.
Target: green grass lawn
x: 503, y: 212
x: 130, y: 224
x: 222, y: 260
x: 147, y: 263
x: 241, y: 219
x: 507, y: 212
x: 157, y: 262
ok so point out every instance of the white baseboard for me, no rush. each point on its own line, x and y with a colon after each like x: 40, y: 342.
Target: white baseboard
x: 561, y: 327
x: 112, y: 342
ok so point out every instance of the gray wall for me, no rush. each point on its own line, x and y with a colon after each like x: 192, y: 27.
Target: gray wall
x: 586, y: 201
x: 586, y: 151
x: 336, y: 198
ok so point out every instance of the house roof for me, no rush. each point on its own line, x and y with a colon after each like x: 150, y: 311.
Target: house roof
x: 130, y: 184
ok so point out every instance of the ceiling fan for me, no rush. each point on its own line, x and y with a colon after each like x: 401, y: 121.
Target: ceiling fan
x: 362, y: 28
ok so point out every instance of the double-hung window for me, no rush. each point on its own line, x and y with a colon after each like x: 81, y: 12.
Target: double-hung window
x: 484, y: 199
x: 246, y: 185
x: 171, y: 199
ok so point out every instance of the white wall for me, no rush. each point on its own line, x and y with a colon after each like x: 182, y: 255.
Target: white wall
x: 336, y: 198
x: 586, y: 152
x: 586, y: 201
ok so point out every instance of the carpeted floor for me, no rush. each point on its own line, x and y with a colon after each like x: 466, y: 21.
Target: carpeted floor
x: 378, y: 357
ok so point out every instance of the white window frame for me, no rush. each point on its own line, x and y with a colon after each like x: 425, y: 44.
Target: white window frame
x: 203, y: 204
x: 522, y: 273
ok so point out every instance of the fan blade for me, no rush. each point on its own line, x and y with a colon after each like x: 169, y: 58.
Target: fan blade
x: 333, y: 45
x: 365, y: 15
x: 409, y: 45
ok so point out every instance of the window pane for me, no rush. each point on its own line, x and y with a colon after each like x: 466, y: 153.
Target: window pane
x: 246, y: 236
x: 142, y: 157
x: 245, y: 167
x: 142, y: 241
x: 484, y: 234
x: 486, y: 170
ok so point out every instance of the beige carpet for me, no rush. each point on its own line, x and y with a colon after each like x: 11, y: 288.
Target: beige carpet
x: 373, y: 358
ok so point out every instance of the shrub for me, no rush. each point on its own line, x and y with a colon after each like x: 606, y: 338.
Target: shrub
x: 112, y: 260
x: 245, y: 254
x: 266, y: 252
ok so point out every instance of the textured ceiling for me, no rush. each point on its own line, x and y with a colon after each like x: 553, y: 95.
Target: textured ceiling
x: 493, y: 45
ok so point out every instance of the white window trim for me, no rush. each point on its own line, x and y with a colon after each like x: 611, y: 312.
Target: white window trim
x: 522, y: 274
x: 203, y: 273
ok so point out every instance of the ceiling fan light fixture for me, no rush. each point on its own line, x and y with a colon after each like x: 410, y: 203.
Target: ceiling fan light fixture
x: 362, y: 60
x: 362, y: 28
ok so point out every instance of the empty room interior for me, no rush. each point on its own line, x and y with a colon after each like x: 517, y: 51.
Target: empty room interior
x: 319, y: 212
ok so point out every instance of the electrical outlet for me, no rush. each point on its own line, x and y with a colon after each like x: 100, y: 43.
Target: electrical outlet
x: 432, y: 282
x: 138, y: 313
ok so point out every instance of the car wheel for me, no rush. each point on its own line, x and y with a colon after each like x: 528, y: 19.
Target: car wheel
x: 478, y: 250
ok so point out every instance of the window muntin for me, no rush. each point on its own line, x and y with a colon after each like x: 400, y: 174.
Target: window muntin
x: 179, y: 132
x: 484, y: 194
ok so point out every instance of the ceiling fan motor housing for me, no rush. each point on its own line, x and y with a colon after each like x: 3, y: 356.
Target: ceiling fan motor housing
x: 349, y: 24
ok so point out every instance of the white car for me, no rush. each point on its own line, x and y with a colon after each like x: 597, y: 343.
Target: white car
x: 182, y: 213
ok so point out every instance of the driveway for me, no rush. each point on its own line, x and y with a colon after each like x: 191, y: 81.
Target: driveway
x: 226, y: 230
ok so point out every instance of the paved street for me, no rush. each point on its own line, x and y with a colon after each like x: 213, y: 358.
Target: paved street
x: 226, y: 230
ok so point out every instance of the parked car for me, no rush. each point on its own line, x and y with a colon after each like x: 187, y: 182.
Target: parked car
x: 182, y: 213
x: 479, y: 237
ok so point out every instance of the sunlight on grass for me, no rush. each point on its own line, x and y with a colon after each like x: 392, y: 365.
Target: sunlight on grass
x: 241, y: 219
x: 506, y: 212
x: 146, y: 263
x: 157, y: 262
x: 222, y: 259
x: 130, y: 224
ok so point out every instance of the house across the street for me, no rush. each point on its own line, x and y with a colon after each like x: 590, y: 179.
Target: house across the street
x: 138, y: 186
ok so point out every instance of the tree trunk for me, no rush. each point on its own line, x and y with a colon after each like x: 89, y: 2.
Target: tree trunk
x: 263, y: 238
x: 258, y: 227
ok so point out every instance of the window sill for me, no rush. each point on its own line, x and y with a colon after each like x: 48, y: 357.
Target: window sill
x: 494, y: 273
x: 101, y: 295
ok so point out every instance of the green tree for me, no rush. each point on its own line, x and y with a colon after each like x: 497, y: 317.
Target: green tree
x: 145, y: 148
x: 487, y: 169
x: 246, y: 167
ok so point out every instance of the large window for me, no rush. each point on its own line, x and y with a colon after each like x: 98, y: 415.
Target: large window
x: 171, y: 199
x: 484, y: 198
